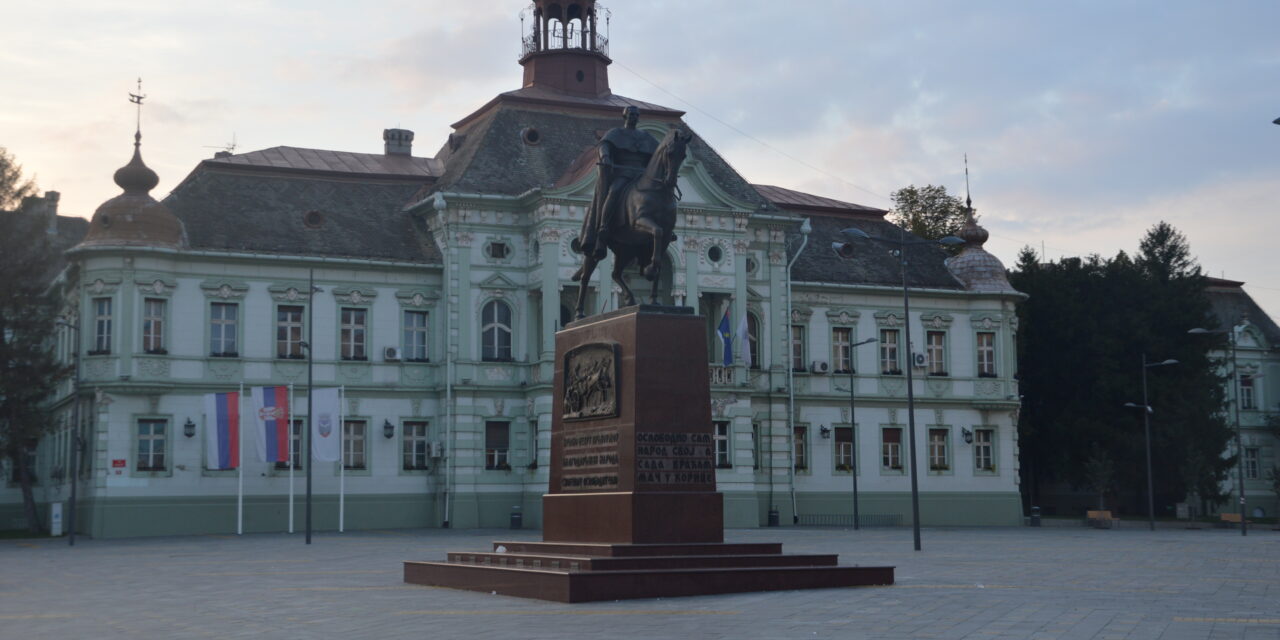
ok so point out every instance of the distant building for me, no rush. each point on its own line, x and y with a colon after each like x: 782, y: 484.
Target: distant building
x: 442, y: 281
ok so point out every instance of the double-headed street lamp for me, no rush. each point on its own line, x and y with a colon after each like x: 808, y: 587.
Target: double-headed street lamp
x: 1235, y: 393
x: 853, y: 431
x: 845, y: 250
x: 1146, y: 427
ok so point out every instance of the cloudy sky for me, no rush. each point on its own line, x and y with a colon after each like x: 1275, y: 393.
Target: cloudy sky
x: 1085, y: 122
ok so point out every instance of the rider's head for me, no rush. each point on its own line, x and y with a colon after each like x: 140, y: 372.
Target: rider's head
x: 631, y: 115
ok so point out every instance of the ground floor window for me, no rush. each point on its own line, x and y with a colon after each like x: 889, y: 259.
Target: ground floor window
x: 844, y: 448
x: 939, y: 458
x: 984, y: 443
x: 354, y: 445
x: 415, y: 445
x: 497, y: 445
x: 1252, y: 460
x: 152, y: 436
x: 891, y: 448
x: 724, y: 459
x: 802, y: 448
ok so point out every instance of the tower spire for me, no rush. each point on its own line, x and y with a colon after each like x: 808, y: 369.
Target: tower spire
x: 968, y: 202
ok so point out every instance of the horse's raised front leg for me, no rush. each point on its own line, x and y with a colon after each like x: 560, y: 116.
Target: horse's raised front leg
x: 584, y: 280
x: 619, y: 264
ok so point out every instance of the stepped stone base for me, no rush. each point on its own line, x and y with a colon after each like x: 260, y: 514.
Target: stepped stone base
x: 572, y: 572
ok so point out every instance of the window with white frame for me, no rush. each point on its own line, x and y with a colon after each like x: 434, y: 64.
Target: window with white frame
x: 984, y: 449
x: 153, y: 325
x: 797, y: 348
x: 295, y: 445
x: 152, y: 440
x: 891, y: 448
x: 939, y: 457
x: 841, y: 349
x: 889, y: 352
x: 844, y: 448
x: 724, y: 459
x: 802, y: 447
x: 495, y: 332
x: 415, y: 445
x: 101, y: 326
x: 224, y: 329
x: 415, y: 336
x: 1252, y: 463
x: 986, y: 354
x: 753, y: 339
x: 1248, y: 399
x: 497, y: 445
x: 936, y: 353
x: 353, y: 336
x: 289, y: 332
x: 354, y: 444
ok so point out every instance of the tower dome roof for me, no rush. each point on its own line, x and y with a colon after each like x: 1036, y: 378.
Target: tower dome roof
x: 974, y: 267
x: 134, y: 218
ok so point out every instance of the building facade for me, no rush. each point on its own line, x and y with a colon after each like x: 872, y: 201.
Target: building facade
x: 439, y: 284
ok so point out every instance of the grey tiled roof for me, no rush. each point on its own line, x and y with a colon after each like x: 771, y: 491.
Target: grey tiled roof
x: 872, y: 262
x: 1231, y: 303
x: 343, y: 162
x: 798, y: 200
x: 265, y: 212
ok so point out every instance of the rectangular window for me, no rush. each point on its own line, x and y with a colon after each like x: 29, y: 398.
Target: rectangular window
x: 753, y: 339
x: 151, y: 445
x: 939, y: 459
x: 986, y: 354
x: 101, y: 326
x: 1252, y: 463
x: 1248, y: 400
x: 844, y: 448
x: 415, y: 336
x: 153, y: 326
x: 723, y: 458
x: 497, y: 445
x: 891, y: 448
x: 841, y: 352
x: 889, y: 352
x: 984, y: 449
x: 415, y: 445
x: 797, y: 348
x: 802, y: 447
x: 223, y: 329
x: 755, y: 445
x: 289, y: 332
x: 936, y: 353
x: 355, y: 325
x: 295, y: 445
x: 354, y: 444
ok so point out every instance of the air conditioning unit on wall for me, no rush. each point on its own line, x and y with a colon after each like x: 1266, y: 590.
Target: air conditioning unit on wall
x: 392, y: 354
x: 820, y: 366
x: 918, y: 360
x: 435, y: 450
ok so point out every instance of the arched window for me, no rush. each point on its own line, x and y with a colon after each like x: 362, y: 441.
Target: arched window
x: 753, y: 339
x: 495, y: 332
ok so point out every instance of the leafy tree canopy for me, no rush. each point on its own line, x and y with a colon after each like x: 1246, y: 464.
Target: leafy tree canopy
x: 928, y: 211
x: 13, y: 187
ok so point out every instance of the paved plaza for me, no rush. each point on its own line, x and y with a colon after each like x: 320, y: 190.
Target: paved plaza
x: 967, y: 583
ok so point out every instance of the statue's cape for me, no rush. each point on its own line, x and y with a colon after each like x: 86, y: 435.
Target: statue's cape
x: 633, y: 140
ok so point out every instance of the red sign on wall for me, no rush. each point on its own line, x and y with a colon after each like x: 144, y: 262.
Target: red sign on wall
x: 119, y: 464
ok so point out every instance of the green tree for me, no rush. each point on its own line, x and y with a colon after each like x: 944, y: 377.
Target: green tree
x: 13, y: 187
x: 29, y: 373
x: 928, y: 211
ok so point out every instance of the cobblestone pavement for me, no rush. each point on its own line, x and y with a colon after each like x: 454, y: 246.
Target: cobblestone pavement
x: 967, y: 583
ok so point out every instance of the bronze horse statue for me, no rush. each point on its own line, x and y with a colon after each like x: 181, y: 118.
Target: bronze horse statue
x: 644, y: 224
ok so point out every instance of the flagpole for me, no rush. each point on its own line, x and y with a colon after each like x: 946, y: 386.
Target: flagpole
x: 289, y: 423
x: 240, y: 462
x: 342, y: 463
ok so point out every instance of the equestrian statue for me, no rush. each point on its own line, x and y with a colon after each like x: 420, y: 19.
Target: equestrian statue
x: 633, y: 212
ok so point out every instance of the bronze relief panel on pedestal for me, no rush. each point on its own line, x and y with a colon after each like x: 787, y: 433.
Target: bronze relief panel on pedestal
x: 591, y: 382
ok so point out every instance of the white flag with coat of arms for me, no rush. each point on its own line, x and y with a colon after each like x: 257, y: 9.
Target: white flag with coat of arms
x: 326, y: 427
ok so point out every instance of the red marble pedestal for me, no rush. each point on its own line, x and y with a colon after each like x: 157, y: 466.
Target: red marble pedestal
x: 631, y: 509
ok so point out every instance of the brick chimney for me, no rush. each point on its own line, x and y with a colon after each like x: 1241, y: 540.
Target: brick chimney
x: 397, y: 142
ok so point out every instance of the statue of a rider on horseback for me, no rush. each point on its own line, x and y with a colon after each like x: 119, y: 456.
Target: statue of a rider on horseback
x: 633, y: 211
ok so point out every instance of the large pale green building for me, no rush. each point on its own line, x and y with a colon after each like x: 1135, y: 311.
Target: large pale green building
x: 440, y: 283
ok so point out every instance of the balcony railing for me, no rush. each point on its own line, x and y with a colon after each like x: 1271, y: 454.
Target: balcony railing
x: 556, y: 42
x: 721, y: 375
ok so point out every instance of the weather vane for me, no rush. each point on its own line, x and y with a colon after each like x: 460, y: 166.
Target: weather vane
x: 968, y: 202
x: 137, y: 98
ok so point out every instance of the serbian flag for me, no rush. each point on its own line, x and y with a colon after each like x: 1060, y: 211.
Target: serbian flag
x: 723, y: 330
x: 222, y: 432
x: 271, y: 406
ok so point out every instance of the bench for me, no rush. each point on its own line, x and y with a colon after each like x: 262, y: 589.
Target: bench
x: 1230, y: 520
x: 1100, y: 519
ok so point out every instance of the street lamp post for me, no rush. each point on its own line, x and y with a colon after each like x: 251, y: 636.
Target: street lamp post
x: 845, y: 250
x: 853, y: 431
x: 1235, y: 400
x: 1146, y: 428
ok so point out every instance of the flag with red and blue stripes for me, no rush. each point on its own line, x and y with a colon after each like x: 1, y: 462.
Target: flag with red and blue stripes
x: 222, y: 430
x: 272, y: 415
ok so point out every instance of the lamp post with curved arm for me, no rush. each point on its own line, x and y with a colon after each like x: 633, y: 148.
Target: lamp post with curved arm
x: 846, y: 251
x: 1146, y: 428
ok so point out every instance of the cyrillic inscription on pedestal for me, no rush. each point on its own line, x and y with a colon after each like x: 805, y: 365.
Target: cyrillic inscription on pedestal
x: 675, y: 461
x: 589, y: 460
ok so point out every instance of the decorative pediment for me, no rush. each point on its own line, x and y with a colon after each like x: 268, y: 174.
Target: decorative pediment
x: 289, y: 292
x: 932, y: 320
x: 417, y: 298
x: 889, y: 319
x: 155, y: 285
x: 102, y: 286
x: 843, y: 315
x: 354, y: 295
x: 498, y: 281
x: 800, y: 313
x: 224, y: 289
x: 986, y: 321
